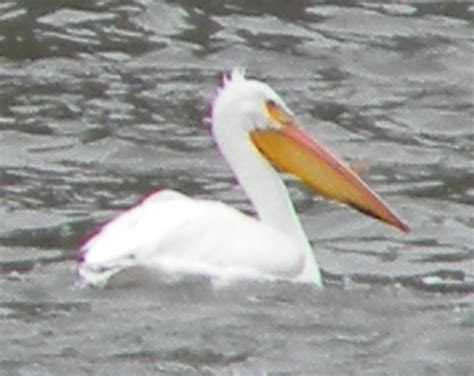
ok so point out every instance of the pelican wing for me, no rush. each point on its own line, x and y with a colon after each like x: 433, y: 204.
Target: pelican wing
x: 173, y: 233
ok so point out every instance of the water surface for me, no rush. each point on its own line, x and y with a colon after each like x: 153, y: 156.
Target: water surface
x: 103, y: 101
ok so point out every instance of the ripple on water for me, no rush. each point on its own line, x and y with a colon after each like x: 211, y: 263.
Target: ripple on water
x: 103, y: 102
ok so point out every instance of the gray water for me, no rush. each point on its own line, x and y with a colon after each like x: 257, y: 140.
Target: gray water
x: 102, y: 101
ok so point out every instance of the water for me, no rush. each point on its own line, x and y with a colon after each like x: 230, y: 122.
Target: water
x: 102, y: 101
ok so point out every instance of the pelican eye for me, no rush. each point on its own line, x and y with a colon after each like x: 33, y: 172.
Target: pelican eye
x: 276, y: 113
x: 271, y: 103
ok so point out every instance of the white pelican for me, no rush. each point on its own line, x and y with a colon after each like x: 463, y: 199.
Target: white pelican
x: 171, y: 232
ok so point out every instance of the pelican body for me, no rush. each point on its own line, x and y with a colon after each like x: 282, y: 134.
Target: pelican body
x: 172, y: 233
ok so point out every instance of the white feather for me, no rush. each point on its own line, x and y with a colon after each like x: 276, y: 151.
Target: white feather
x: 174, y: 233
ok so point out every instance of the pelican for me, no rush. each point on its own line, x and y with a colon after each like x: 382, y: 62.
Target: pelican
x: 172, y: 233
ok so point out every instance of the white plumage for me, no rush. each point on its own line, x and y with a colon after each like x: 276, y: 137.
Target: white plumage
x: 173, y: 233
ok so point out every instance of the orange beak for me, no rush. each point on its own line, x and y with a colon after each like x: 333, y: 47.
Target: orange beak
x: 289, y: 149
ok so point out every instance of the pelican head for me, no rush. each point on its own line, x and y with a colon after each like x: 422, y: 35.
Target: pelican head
x: 248, y: 102
x: 248, y: 114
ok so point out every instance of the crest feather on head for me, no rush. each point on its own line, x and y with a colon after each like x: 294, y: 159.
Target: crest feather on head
x: 226, y: 77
